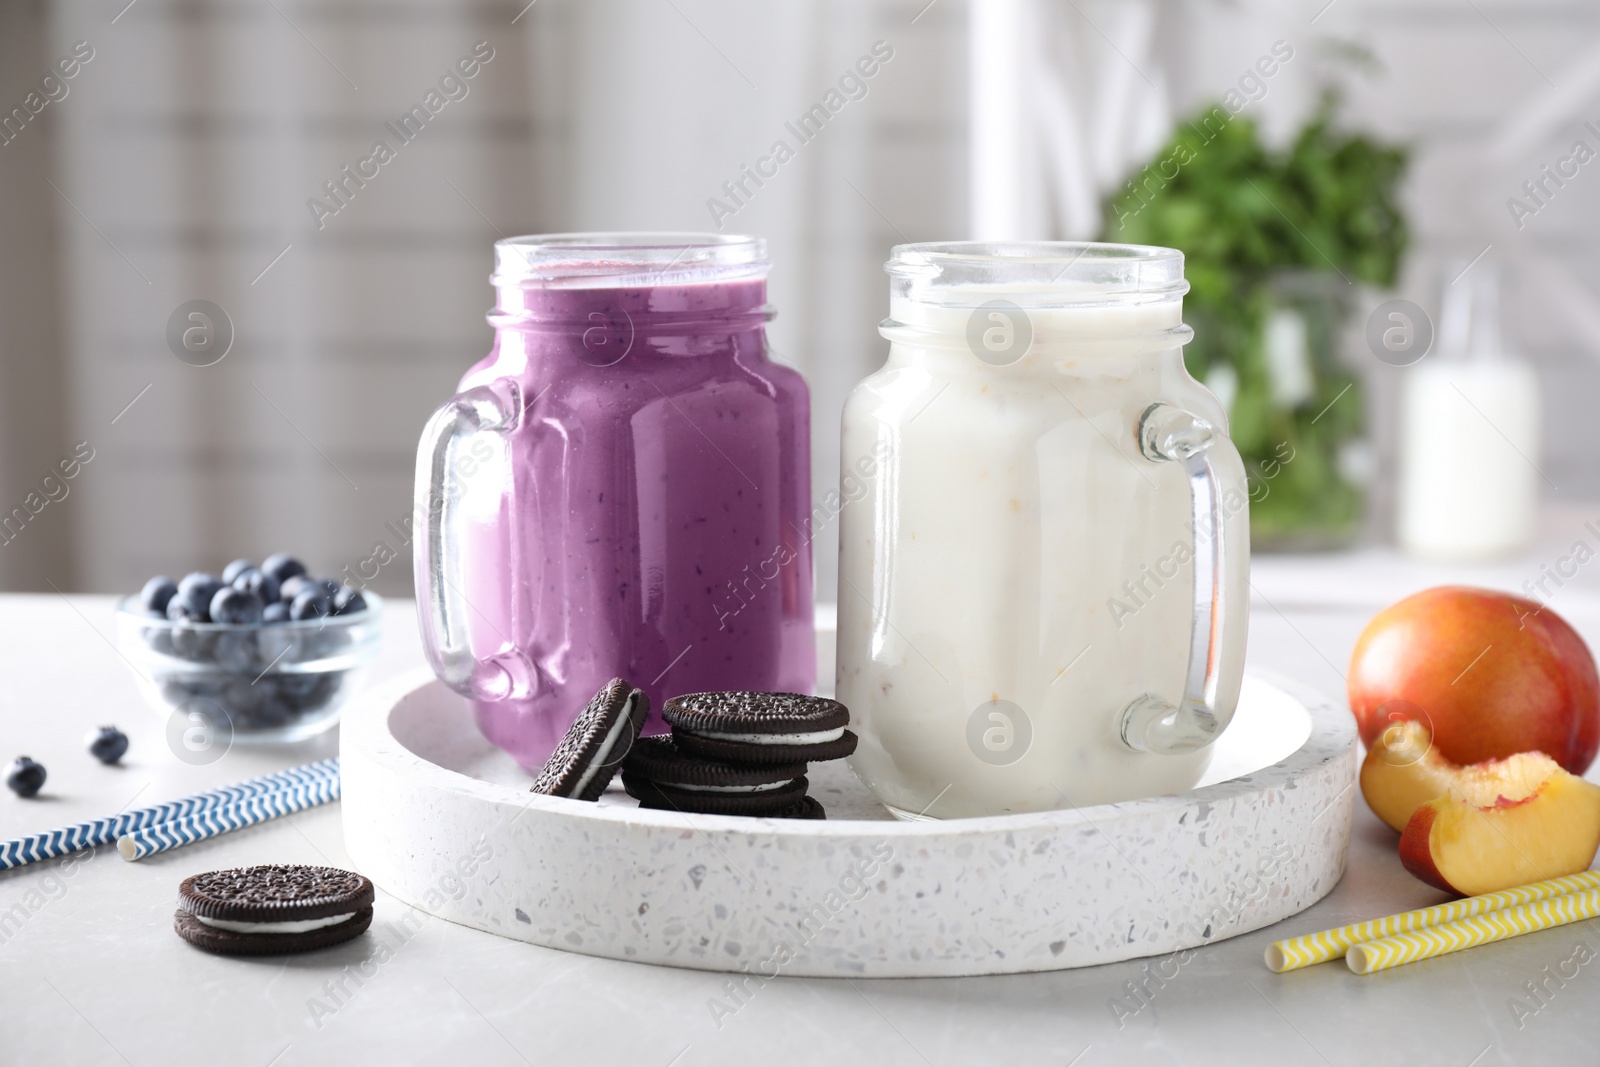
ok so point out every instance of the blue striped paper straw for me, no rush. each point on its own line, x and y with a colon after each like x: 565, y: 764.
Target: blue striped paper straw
x: 148, y: 840
x: 105, y: 831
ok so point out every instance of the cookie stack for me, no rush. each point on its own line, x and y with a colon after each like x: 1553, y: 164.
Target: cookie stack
x: 738, y: 754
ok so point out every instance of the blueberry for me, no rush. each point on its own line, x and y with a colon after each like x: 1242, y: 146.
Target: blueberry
x: 331, y: 586
x: 323, y: 692
x: 260, y: 583
x: 192, y: 644
x: 241, y: 698
x: 156, y: 593
x: 187, y: 686
x: 195, y: 593
x: 159, y: 640
x: 199, y: 580
x: 271, y: 713
x: 108, y: 744
x: 235, y: 651
x: 25, y: 777
x: 323, y: 642
x: 295, y: 689
x: 235, y: 606
x: 305, y: 693
x: 348, y: 601
x: 277, y: 611
x: 311, y: 603
x: 293, y: 587
x: 236, y: 568
x: 277, y: 645
x: 282, y: 566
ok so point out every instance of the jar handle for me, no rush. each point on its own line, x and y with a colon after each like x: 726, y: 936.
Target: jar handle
x: 1149, y: 723
x: 442, y: 606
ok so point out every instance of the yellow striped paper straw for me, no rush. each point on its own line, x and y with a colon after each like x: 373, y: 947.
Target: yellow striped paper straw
x: 1477, y: 930
x: 1296, y: 952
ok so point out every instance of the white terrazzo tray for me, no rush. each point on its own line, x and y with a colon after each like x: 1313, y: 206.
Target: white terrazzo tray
x: 439, y: 818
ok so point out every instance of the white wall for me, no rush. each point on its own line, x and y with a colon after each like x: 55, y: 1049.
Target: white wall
x: 195, y: 136
x: 190, y: 143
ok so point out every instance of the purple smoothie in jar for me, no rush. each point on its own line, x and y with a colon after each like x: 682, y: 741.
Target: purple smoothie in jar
x: 621, y: 487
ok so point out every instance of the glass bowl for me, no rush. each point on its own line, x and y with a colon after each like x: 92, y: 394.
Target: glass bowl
x: 256, y: 682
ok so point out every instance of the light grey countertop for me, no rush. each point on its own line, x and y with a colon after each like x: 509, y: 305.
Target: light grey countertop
x: 91, y: 972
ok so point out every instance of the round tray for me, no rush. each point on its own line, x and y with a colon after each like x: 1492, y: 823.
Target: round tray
x: 445, y: 822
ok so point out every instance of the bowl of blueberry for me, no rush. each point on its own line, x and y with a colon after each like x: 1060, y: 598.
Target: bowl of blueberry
x: 265, y: 652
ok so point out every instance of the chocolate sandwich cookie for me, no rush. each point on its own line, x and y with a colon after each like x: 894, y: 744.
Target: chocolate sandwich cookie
x: 760, y: 727
x: 658, y: 774
x: 278, y: 908
x: 588, y: 756
x: 808, y: 808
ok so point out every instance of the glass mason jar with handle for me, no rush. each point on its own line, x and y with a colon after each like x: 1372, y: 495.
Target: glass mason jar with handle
x: 619, y: 488
x: 1043, y: 598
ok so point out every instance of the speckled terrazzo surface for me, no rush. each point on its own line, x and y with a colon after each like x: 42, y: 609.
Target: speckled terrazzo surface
x: 441, y: 820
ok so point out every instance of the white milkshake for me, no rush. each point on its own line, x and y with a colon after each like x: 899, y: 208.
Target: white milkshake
x: 1021, y: 572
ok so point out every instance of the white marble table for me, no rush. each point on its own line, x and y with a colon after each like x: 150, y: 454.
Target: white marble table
x: 91, y: 973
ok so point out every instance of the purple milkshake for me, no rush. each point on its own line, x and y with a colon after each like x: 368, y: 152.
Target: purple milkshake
x: 620, y: 488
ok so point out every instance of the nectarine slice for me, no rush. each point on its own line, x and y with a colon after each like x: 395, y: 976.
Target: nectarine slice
x: 1504, y: 823
x: 1403, y: 771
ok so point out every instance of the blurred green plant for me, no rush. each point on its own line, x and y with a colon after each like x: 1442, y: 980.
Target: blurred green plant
x: 1242, y: 215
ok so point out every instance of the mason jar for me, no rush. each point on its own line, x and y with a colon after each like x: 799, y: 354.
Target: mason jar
x: 1043, y: 594
x: 621, y: 487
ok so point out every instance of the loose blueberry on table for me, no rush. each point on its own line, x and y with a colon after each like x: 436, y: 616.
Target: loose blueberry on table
x: 108, y: 744
x: 25, y: 777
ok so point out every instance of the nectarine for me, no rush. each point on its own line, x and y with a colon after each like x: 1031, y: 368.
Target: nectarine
x: 1403, y: 771
x: 1490, y: 674
x: 1504, y: 823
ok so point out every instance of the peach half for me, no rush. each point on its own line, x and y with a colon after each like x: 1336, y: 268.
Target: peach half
x: 1403, y: 771
x: 1504, y: 823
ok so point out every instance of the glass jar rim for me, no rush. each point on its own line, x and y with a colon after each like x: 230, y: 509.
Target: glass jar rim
x: 1036, y: 273
x: 611, y: 260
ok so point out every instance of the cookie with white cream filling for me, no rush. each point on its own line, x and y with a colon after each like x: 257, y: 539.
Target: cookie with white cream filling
x: 596, y: 743
x: 272, y: 909
x: 760, y: 727
x: 659, y: 774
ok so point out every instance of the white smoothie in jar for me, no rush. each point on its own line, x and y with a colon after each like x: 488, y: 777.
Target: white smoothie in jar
x: 1019, y: 571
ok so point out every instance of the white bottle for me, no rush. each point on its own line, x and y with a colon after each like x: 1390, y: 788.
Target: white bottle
x: 1469, y: 435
